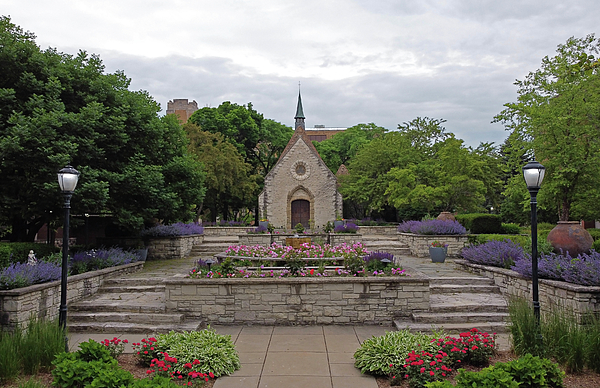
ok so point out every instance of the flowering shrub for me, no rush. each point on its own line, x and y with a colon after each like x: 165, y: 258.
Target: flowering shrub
x: 19, y: 275
x: 174, y: 230
x: 348, y: 227
x: 373, y: 261
x: 502, y: 254
x: 167, y: 368
x: 115, y: 346
x: 473, y: 347
x: 423, y: 367
x: 145, y: 350
x: 583, y: 269
x: 432, y: 227
x: 96, y: 259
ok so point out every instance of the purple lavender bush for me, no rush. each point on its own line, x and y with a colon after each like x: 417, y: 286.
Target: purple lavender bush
x: 174, y: 230
x: 19, y: 275
x: 258, y: 230
x: 502, y: 254
x: 349, y: 227
x: 432, y: 227
x: 583, y: 269
x: 96, y: 259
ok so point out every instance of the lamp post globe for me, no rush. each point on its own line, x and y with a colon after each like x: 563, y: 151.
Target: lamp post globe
x: 67, y: 180
x: 533, y: 173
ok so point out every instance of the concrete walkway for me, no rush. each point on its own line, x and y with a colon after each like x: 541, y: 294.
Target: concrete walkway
x: 291, y: 356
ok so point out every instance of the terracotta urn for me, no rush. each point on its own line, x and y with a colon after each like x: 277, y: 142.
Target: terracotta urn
x: 571, y: 237
x: 446, y: 216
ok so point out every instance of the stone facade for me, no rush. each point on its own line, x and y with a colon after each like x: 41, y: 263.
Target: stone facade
x: 300, y: 175
x: 419, y: 243
x: 182, y: 108
x: 172, y: 247
x: 291, y: 301
x: 43, y: 300
x: 576, y: 298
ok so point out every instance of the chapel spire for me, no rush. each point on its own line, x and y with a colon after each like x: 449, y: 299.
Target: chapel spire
x: 299, y: 112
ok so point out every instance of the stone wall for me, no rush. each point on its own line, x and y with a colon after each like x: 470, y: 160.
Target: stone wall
x: 348, y: 238
x: 379, y: 230
x: 290, y: 301
x: 267, y: 239
x: 419, y: 244
x: 579, y: 299
x: 43, y: 300
x: 172, y: 247
x: 255, y: 239
x: 222, y: 231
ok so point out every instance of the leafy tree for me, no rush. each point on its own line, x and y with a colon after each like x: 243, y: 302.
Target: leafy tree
x: 343, y: 146
x: 557, y: 118
x: 229, y: 182
x: 275, y: 137
x: 58, y: 109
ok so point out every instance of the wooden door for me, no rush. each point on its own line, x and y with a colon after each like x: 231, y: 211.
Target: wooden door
x: 300, y: 212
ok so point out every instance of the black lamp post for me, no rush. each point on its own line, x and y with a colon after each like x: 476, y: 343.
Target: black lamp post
x: 533, y: 172
x: 67, y: 179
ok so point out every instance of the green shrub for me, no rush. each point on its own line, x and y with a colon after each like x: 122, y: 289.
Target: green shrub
x: 595, y: 233
x: 156, y: 382
x: 376, y: 354
x: 596, y: 245
x: 533, y: 372
x: 478, y: 223
x: 40, y: 344
x: 547, y: 226
x: 4, y: 256
x: 215, y: 352
x: 483, y: 238
x: 20, y: 250
x: 511, y: 229
x: 486, y: 378
x: 524, y: 328
x: 93, y: 351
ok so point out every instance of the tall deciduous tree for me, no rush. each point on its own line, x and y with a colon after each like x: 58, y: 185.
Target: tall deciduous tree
x: 57, y: 109
x: 229, y: 180
x: 557, y: 116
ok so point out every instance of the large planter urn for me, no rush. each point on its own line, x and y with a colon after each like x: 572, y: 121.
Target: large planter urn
x: 438, y: 254
x: 571, y: 237
x: 446, y: 216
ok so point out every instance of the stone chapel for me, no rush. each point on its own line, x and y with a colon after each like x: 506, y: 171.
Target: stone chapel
x: 300, y: 188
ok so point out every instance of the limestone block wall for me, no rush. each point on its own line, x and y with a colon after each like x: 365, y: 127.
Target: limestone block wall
x: 172, y: 247
x: 379, y: 230
x: 43, y: 300
x: 255, y: 239
x: 579, y: 299
x: 289, y: 301
x: 348, y: 238
x: 419, y: 244
x: 282, y: 185
x: 221, y: 231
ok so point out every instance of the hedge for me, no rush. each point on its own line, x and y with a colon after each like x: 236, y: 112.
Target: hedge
x: 20, y: 251
x: 478, y: 223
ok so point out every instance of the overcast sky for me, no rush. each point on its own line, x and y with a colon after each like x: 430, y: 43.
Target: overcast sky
x: 359, y: 61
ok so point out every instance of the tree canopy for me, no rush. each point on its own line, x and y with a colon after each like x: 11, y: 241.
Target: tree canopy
x: 556, y: 119
x: 58, y: 109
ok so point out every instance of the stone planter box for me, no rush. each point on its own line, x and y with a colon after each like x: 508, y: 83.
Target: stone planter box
x: 172, y: 247
x: 43, y: 300
x: 419, y: 244
x: 579, y: 299
x: 298, y: 301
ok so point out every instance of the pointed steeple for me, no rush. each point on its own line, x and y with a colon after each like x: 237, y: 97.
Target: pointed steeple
x: 299, y: 110
x: 299, y: 113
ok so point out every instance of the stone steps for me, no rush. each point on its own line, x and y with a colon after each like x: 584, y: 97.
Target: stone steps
x: 385, y: 244
x: 131, y: 328
x: 458, y: 304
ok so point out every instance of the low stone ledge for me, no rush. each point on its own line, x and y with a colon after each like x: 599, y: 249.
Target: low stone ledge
x: 419, y: 243
x: 166, y: 248
x: 580, y: 299
x: 43, y: 300
x: 290, y: 301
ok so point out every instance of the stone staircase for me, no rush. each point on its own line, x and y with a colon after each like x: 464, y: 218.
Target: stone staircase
x: 127, y: 306
x: 213, y: 245
x: 385, y: 243
x: 458, y: 304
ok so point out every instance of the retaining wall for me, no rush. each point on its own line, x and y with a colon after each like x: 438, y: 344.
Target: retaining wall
x: 222, y: 231
x: 379, y: 230
x: 579, y: 299
x: 419, y: 244
x: 172, y: 247
x: 290, y: 301
x: 43, y: 300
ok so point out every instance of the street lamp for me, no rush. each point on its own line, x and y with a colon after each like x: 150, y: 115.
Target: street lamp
x: 533, y: 172
x: 67, y: 179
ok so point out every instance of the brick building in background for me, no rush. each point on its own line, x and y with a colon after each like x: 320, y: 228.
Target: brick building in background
x: 182, y: 108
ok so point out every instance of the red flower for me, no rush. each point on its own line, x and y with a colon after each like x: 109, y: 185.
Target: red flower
x: 212, y: 376
x: 431, y: 373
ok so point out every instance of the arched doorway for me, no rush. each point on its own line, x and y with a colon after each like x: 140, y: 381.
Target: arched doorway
x: 300, y: 212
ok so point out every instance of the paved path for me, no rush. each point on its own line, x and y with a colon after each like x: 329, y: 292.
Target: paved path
x: 291, y: 356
